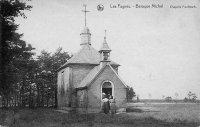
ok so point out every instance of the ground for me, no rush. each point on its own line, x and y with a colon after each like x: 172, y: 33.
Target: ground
x: 137, y: 115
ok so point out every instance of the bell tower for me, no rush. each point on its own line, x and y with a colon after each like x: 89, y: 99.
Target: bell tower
x: 105, y: 52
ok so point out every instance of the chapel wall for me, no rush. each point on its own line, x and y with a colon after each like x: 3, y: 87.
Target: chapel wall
x: 64, y: 92
x: 94, y: 92
x: 82, y: 99
x: 59, y: 97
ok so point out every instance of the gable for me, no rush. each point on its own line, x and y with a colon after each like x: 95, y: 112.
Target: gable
x: 108, y: 73
x: 96, y: 73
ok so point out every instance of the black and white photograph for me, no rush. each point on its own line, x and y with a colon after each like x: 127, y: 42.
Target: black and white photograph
x: 99, y: 63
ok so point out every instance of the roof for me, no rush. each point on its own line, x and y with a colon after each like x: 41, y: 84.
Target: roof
x: 93, y: 74
x: 105, y: 46
x: 90, y: 76
x: 86, y: 55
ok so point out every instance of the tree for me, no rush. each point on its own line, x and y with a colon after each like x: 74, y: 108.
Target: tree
x: 46, y: 84
x: 22, y: 77
x: 191, y: 97
x: 194, y: 97
x: 59, y: 58
x: 15, y: 54
x: 130, y: 94
x: 168, y: 99
x: 190, y: 94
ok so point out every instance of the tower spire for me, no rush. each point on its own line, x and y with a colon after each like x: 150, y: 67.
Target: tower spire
x: 105, y: 35
x: 85, y: 34
x: 105, y: 52
x: 85, y: 11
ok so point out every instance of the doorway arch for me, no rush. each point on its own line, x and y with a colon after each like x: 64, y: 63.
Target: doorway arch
x: 107, y: 87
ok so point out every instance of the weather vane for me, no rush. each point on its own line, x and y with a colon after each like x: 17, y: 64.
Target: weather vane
x: 85, y: 11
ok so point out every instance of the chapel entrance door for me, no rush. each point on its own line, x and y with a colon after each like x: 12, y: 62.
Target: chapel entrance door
x: 107, y: 89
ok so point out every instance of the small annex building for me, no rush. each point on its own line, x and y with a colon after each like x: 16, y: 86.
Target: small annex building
x: 87, y: 75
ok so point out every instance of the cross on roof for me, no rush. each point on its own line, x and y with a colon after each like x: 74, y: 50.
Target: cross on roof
x: 85, y: 11
x: 105, y: 33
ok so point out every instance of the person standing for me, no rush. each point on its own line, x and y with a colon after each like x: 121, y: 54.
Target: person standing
x: 113, y: 107
x: 102, y: 102
x: 106, y: 107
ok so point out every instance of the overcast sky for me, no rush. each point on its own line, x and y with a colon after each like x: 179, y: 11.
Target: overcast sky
x: 158, y: 49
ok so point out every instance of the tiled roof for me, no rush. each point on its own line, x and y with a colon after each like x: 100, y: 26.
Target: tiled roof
x: 90, y: 76
x: 86, y: 55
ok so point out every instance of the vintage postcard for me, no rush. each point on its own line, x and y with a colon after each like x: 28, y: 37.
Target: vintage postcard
x: 100, y: 63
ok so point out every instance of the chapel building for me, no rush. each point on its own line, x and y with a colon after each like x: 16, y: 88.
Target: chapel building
x: 87, y: 75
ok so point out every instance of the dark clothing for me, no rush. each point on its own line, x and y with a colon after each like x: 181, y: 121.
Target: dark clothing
x: 113, y: 108
x: 106, y: 107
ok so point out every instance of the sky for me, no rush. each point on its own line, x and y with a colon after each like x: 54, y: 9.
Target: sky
x: 158, y: 48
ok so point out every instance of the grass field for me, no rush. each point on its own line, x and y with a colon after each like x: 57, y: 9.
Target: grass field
x: 168, y: 112
x: 137, y: 115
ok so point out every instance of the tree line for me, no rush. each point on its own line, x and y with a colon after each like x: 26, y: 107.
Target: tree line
x: 26, y: 79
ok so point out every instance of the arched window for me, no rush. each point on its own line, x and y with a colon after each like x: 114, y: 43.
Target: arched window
x: 107, y: 89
